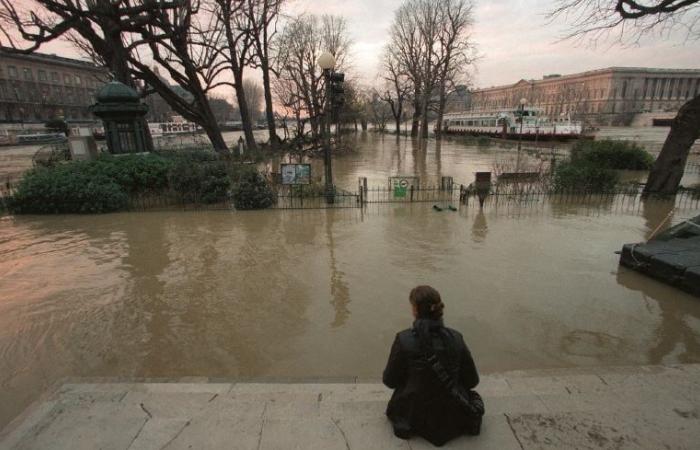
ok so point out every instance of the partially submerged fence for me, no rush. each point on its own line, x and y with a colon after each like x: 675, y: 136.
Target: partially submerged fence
x: 310, y: 197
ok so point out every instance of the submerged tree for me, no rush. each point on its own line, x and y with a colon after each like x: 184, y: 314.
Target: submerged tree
x: 297, y: 50
x: 396, y: 89
x: 430, y: 45
x: 627, y: 21
x: 262, y: 21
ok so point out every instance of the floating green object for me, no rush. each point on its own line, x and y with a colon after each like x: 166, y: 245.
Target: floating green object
x: 437, y: 208
x: 452, y: 208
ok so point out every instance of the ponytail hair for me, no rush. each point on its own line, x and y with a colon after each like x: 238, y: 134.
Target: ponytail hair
x: 427, y: 302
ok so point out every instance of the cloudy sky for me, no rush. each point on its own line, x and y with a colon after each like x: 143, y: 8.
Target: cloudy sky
x: 513, y: 38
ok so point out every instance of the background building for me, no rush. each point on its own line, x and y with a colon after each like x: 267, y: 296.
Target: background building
x: 38, y: 87
x: 612, y: 96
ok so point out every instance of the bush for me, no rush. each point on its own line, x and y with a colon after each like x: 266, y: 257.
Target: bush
x: 252, y: 191
x: 136, y: 174
x: 205, y: 182
x: 67, y: 189
x: 584, y: 176
x: 607, y: 154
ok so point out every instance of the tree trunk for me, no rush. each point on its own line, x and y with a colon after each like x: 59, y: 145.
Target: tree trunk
x: 666, y: 174
x: 269, y: 112
x: 424, y: 120
x: 245, y: 112
x: 415, y: 121
x: 215, y: 137
x: 441, y: 110
x: 398, y: 126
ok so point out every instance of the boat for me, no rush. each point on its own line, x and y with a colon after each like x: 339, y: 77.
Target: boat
x: 158, y: 129
x: 506, y: 124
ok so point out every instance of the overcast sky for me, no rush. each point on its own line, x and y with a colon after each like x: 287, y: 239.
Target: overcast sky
x: 513, y: 38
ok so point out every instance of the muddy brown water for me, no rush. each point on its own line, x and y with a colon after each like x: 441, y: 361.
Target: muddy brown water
x: 320, y: 293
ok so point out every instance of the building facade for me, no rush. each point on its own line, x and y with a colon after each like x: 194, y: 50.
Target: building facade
x: 612, y: 96
x: 38, y: 87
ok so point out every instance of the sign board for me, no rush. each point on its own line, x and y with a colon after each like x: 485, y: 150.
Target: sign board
x: 400, y: 185
x: 296, y: 173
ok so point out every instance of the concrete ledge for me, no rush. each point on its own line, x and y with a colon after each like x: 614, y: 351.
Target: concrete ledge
x: 621, y: 408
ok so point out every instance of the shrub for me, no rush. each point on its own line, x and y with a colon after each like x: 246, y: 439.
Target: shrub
x: 205, y: 182
x: 67, y: 189
x: 252, y: 191
x: 136, y: 174
x: 607, y: 154
x: 584, y: 176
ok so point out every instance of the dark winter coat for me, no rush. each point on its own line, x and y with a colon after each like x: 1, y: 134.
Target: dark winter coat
x: 421, y: 405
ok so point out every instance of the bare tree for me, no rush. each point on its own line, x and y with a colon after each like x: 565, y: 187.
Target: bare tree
x: 380, y: 112
x: 626, y: 20
x: 235, y: 47
x: 254, y: 98
x: 455, y: 49
x: 177, y: 40
x: 118, y: 32
x: 406, y: 48
x: 262, y: 20
x: 431, y: 46
x: 397, y: 87
x: 296, y: 51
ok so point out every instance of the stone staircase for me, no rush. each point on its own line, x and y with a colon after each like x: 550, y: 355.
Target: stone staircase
x: 586, y: 408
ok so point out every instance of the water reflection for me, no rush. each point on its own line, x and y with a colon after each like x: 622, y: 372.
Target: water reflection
x: 340, y: 292
x: 676, y: 336
x: 658, y: 214
x: 479, y: 228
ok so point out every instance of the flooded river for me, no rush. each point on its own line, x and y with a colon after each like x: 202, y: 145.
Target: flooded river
x: 321, y: 293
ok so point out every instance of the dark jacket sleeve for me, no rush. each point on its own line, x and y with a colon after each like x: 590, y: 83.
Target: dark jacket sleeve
x: 467, y: 371
x: 396, y: 368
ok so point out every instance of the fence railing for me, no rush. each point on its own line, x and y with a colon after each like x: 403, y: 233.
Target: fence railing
x: 295, y: 197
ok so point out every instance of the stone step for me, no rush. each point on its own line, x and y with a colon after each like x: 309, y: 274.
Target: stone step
x: 570, y: 408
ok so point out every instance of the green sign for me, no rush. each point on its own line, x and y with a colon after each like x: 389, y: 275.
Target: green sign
x: 401, y: 184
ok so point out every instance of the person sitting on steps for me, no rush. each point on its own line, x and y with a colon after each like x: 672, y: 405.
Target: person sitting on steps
x: 432, y: 373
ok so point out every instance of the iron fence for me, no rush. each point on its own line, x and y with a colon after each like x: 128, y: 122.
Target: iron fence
x: 408, y: 195
x: 301, y: 197
x: 622, y: 199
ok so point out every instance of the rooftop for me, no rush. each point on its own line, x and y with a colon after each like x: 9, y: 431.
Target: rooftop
x: 557, y: 77
x: 49, y: 59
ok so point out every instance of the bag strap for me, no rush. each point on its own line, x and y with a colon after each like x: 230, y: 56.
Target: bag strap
x: 434, y: 362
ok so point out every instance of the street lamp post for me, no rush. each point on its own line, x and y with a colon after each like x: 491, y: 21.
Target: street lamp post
x: 523, y: 102
x: 327, y: 62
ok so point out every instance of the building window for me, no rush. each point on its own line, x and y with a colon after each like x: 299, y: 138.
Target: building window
x: 28, y: 74
x: 54, y: 77
x: 42, y: 75
x: 77, y: 80
x: 12, y: 71
x: 66, y: 79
